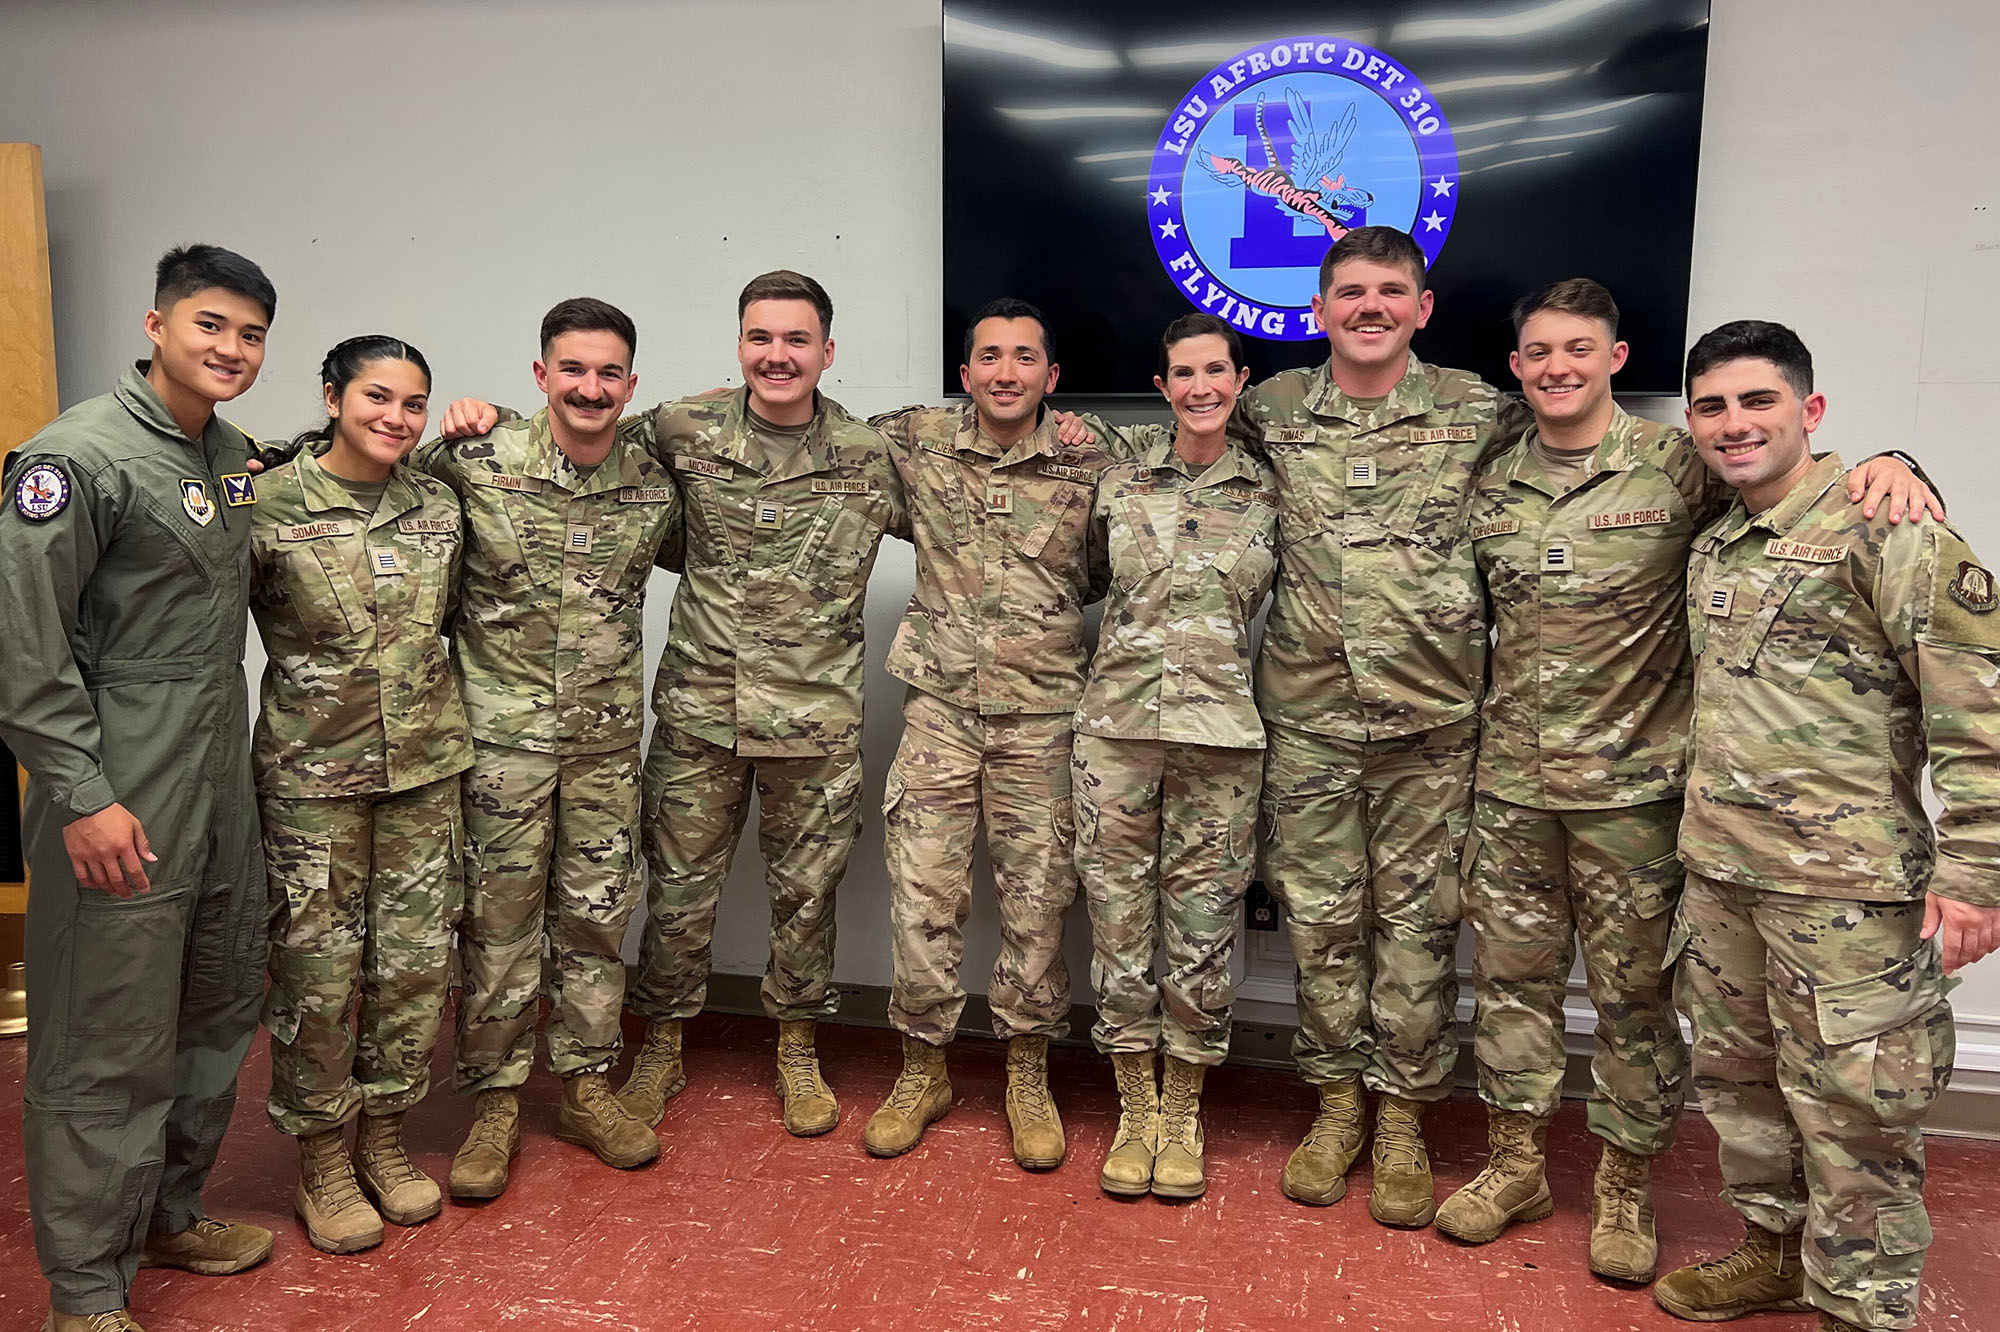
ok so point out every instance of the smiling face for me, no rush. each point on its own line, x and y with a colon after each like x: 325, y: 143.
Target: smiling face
x: 1009, y: 373
x: 1752, y: 428
x: 1565, y: 362
x: 1201, y: 384
x: 783, y: 350
x: 1370, y: 312
x: 377, y: 418
x: 209, y: 345
x: 587, y: 374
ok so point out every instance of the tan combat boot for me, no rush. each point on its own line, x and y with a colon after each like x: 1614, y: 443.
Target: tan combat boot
x: 657, y: 1075
x: 810, y: 1109
x: 1622, y: 1244
x: 591, y: 1117
x: 480, y: 1168
x: 919, y: 1099
x: 1317, y: 1170
x: 112, y: 1320
x: 1039, y: 1143
x: 209, y: 1247
x: 1763, y: 1273
x: 402, y: 1193
x: 338, y: 1219
x: 1403, y: 1193
x: 1177, y: 1170
x: 1514, y: 1186
x: 1128, y: 1168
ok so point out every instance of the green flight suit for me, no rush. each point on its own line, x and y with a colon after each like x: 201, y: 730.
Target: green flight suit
x: 126, y: 599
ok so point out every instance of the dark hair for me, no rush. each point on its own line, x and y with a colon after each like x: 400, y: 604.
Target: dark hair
x: 347, y: 360
x: 783, y: 284
x: 1377, y: 245
x: 1193, y: 326
x: 1752, y: 340
x: 187, y: 269
x: 1008, y: 307
x: 587, y: 314
x: 1577, y: 296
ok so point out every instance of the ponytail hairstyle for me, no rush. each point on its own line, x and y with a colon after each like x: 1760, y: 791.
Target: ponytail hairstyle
x: 347, y: 360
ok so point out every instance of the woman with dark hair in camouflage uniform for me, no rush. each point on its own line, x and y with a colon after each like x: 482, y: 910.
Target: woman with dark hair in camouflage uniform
x: 359, y: 743
x: 1168, y: 762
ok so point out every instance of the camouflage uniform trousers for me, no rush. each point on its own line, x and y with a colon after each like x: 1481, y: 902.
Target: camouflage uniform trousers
x: 1362, y: 844
x: 697, y: 797
x: 365, y: 891
x: 952, y: 768
x: 1821, y: 1039
x: 1166, y: 848
x: 1536, y: 881
x: 550, y: 868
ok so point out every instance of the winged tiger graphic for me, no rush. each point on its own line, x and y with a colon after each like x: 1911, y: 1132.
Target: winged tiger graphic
x: 1327, y: 199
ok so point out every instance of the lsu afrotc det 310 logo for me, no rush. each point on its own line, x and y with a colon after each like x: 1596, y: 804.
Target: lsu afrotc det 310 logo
x: 1280, y: 151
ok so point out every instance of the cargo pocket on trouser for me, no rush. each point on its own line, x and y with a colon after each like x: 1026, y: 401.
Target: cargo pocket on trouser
x: 1889, y: 1039
x: 299, y: 865
x: 843, y: 794
x: 1448, y: 897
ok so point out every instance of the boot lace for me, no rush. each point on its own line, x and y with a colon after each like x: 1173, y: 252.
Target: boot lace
x: 1029, y: 1090
x: 489, y: 1129
x: 1177, y: 1112
x: 391, y: 1164
x: 1399, y: 1141
x: 798, y: 1065
x: 1618, y: 1192
x: 114, y: 1320
x: 331, y: 1176
x: 911, y: 1084
x: 657, y: 1058
x: 1334, y: 1125
x: 1753, y: 1253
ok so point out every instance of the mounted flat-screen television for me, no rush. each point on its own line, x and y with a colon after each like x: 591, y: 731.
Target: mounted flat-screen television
x: 1122, y: 162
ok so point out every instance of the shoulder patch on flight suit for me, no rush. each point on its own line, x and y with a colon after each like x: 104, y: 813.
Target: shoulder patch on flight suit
x: 238, y: 489
x: 41, y: 493
x: 645, y: 494
x: 1497, y: 527
x: 195, y: 500
x: 1780, y: 549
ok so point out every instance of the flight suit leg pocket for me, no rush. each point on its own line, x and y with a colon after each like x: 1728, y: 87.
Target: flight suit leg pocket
x: 1888, y: 1039
x: 126, y: 975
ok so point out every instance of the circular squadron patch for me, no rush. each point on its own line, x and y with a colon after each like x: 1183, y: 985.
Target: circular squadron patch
x: 41, y: 493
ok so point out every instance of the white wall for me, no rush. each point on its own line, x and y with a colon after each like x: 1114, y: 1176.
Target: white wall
x: 447, y: 170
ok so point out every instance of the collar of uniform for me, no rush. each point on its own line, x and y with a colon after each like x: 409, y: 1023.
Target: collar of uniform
x: 814, y: 453
x: 1616, y: 451
x: 548, y: 462
x: 321, y: 490
x: 136, y: 394
x: 1041, y: 442
x: 1783, y: 516
x: 1411, y: 396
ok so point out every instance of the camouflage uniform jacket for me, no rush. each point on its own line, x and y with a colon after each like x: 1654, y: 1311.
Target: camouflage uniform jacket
x: 763, y: 651
x: 1192, y: 557
x: 358, y: 695
x: 1378, y: 629
x: 1834, y: 655
x: 548, y: 635
x: 1004, y: 563
x: 1592, y: 686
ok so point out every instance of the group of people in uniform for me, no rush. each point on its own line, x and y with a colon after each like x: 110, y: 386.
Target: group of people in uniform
x: 1591, y: 683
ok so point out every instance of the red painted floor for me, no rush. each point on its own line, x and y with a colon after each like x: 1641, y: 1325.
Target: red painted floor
x: 739, y: 1226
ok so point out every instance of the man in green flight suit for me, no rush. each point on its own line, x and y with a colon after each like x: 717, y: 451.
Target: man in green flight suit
x: 126, y: 535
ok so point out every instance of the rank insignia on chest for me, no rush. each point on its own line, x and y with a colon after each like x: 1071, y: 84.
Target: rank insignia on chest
x: 1557, y: 557
x: 41, y: 493
x: 384, y: 560
x: 1360, y: 471
x: 770, y: 514
x: 238, y: 490
x: 579, y: 540
x: 194, y: 499
x: 1973, y: 588
x: 1720, y: 600
x: 1000, y: 500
